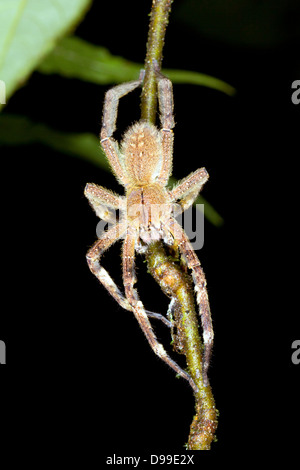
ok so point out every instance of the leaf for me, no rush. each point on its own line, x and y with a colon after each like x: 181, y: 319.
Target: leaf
x: 209, y: 212
x: 195, y: 78
x: 75, y: 58
x: 29, y: 30
x: 18, y: 130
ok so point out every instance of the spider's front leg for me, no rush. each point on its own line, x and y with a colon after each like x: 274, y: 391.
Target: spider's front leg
x: 104, y: 203
x: 93, y: 258
x: 201, y: 292
x: 138, y: 308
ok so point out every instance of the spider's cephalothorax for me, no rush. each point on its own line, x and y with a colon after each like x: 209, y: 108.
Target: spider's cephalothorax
x: 148, y: 201
x: 143, y: 164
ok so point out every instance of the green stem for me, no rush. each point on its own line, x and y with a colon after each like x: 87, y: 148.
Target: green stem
x: 171, y: 275
x: 158, y: 23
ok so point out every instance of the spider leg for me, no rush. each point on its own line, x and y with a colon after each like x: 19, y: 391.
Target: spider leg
x: 110, y: 111
x: 160, y: 317
x: 93, y: 258
x: 102, y: 200
x: 188, y: 189
x: 201, y: 292
x: 165, y: 99
x: 138, y: 308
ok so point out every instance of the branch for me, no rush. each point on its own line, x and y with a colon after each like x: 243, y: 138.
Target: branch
x: 171, y: 275
x: 158, y: 22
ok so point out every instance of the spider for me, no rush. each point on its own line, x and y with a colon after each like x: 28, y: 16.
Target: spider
x: 143, y: 165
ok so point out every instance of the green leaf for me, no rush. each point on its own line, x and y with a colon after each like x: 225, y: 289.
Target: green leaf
x: 195, y: 78
x: 209, y: 212
x: 75, y: 58
x: 29, y: 30
x: 18, y: 130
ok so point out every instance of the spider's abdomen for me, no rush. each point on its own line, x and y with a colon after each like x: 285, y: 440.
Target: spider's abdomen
x: 142, y: 151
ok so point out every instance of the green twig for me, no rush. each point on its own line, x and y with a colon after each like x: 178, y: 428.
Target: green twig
x: 171, y: 275
x: 158, y: 22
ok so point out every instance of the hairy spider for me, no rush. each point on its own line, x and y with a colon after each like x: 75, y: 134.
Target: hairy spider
x: 143, y: 164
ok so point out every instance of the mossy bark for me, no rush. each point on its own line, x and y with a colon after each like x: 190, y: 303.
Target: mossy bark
x: 171, y: 274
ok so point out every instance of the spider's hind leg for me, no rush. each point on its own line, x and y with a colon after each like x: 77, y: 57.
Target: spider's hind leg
x: 111, y: 103
x: 165, y: 99
x: 110, y: 111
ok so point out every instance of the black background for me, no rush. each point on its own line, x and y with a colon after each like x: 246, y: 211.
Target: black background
x: 75, y: 359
